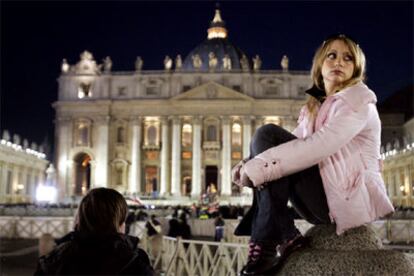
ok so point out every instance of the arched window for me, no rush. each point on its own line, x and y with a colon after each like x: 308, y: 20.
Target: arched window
x: 152, y: 135
x: 236, y: 135
x: 186, y: 137
x: 211, y: 133
x: 120, y: 135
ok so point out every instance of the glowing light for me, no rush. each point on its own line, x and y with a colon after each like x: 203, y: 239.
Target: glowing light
x: 46, y: 193
x: 20, y: 187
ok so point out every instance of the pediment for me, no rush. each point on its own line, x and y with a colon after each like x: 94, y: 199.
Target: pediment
x: 212, y: 91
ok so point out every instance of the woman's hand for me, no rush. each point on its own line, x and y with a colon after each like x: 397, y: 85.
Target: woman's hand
x: 239, y: 176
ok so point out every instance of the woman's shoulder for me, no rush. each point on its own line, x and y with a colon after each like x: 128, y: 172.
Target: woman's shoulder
x: 357, y: 96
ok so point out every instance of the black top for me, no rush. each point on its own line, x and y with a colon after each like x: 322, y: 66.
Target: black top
x: 76, y: 254
x: 317, y: 93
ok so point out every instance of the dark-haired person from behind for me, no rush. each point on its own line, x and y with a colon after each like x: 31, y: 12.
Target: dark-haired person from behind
x: 98, y: 246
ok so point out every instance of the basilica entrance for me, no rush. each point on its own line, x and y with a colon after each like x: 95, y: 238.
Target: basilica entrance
x: 151, y: 180
x: 211, y: 173
x: 82, y: 174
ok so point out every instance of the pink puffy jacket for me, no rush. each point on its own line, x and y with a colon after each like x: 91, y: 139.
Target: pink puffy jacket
x: 345, y: 142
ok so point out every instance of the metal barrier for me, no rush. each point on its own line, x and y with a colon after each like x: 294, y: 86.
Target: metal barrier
x: 33, y: 227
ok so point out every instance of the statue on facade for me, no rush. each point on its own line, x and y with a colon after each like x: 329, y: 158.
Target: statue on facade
x: 244, y: 62
x: 138, y: 64
x: 197, y: 62
x: 178, y: 63
x: 87, y: 65
x: 6, y: 135
x: 65, y: 66
x: 212, y: 61
x: 16, y: 139
x: 51, y: 176
x: 167, y: 63
x: 285, y: 63
x: 226, y: 62
x: 25, y: 143
x: 107, y: 64
x: 257, y: 63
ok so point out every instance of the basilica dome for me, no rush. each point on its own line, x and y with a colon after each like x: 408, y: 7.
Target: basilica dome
x: 216, y: 53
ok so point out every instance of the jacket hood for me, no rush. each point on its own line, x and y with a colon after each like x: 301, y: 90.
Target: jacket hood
x: 357, y: 96
x: 79, y: 253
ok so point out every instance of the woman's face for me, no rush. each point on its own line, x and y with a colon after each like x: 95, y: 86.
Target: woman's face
x: 338, y: 65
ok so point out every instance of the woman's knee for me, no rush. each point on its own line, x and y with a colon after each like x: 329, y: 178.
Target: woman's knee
x: 265, y: 131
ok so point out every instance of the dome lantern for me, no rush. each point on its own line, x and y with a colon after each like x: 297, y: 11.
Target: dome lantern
x: 217, y: 27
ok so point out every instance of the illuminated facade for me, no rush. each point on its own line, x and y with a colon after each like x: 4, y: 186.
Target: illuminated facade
x: 174, y: 131
x: 22, y: 169
x: 398, y: 156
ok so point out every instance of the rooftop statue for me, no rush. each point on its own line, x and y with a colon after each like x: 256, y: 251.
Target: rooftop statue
x: 167, y: 63
x: 107, y: 64
x: 87, y: 65
x: 284, y: 63
x: 65, y: 66
x: 226, y: 62
x: 244, y: 62
x: 197, y: 62
x: 178, y: 63
x: 257, y: 63
x: 212, y: 61
x: 138, y: 63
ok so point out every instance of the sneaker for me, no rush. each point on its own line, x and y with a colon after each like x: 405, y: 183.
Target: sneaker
x: 267, y: 257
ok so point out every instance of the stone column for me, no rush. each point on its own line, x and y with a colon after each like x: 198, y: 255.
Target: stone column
x: 226, y: 158
x: 3, y: 179
x: 247, y: 135
x: 258, y: 122
x: 288, y: 123
x: 164, y: 156
x: 407, y: 184
x: 176, y: 158
x: 102, y: 151
x: 64, y: 129
x: 196, y: 171
x: 135, y: 174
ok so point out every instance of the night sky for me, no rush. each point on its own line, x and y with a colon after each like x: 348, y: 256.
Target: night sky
x: 36, y: 36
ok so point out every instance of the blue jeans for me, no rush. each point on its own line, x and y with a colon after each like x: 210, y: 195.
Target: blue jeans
x: 269, y: 218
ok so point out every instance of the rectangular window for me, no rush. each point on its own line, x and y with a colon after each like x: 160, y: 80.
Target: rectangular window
x: 152, y: 91
x: 272, y: 91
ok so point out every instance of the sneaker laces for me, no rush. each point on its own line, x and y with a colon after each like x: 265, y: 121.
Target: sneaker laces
x: 255, y: 250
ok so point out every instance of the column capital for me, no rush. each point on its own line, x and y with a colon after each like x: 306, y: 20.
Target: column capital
x: 102, y: 119
x: 175, y: 119
x: 225, y: 119
x: 197, y: 119
x: 247, y: 119
x: 164, y: 119
x: 135, y: 120
x: 64, y: 119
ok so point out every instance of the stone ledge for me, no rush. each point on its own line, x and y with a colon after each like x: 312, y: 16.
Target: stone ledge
x: 356, y: 252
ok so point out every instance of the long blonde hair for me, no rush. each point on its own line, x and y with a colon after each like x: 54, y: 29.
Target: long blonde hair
x: 316, y: 71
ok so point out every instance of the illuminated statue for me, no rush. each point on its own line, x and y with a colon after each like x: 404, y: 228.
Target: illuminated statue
x: 87, y: 64
x: 65, y: 66
x: 178, y: 63
x: 107, y: 64
x: 167, y: 63
x: 212, y: 61
x: 244, y: 62
x: 284, y: 63
x: 257, y: 63
x: 197, y: 63
x: 138, y: 63
x: 226, y: 62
